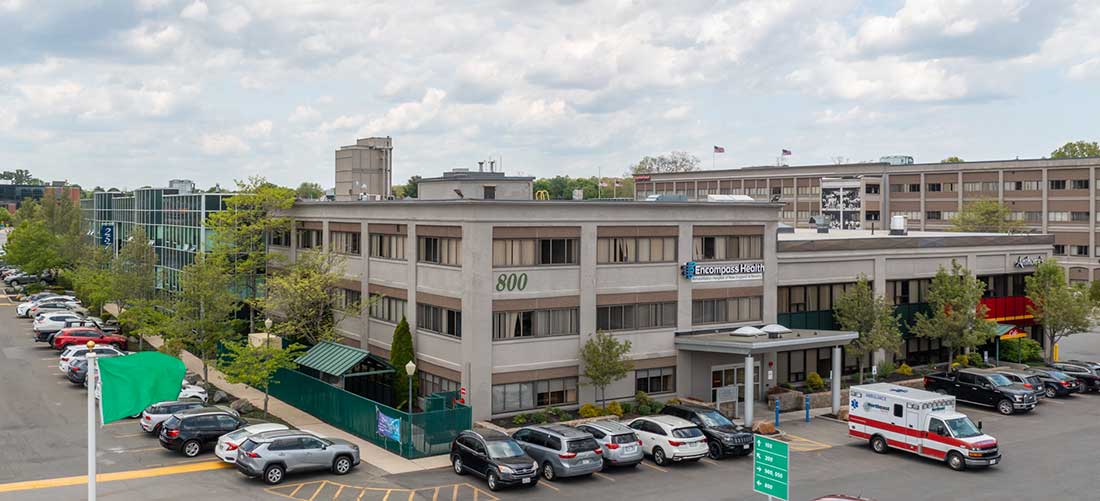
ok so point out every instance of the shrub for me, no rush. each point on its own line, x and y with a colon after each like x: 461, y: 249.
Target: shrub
x: 656, y: 406
x: 961, y: 360
x: 886, y: 368
x: 1023, y: 350
x: 787, y: 386
x: 905, y: 370
x: 519, y: 419
x: 976, y: 359
x: 644, y: 410
x: 615, y: 409
x: 590, y: 411
x: 777, y: 389
x: 642, y: 398
x: 673, y: 401
x: 538, y: 417
x: 814, y: 382
x: 627, y: 407
x: 561, y: 415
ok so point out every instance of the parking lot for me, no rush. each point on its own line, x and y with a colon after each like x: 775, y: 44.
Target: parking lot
x: 1048, y: 453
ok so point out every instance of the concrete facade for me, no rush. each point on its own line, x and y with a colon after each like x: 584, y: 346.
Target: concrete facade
x: 364, y: 169
x: 479, y: 185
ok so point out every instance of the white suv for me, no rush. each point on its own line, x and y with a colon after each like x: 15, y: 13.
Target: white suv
x: 78, y: 351
x: 669, y: 438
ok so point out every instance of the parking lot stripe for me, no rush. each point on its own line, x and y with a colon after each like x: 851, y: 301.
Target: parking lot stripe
x: 710, y: 461
x: 111, y: 477
x: 601, y: 475
x: 338, y: 492
x: 655, y: 467
x: 454, y: 493
x: 320, y: 487
x: 546, y: 483
x: 129, y: 435
x: 296, y: 489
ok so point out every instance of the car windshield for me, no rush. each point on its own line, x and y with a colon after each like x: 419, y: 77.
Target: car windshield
x: 581, y: 445
x: 248, y: 445
x: 1061, y: 376
x: 172, y: 422
x: 626, y: 438
x: 713, y: 419
x: 692, y: 432
x: 237, y: 434
x: 963, y: 427
x: 499, y: 449
x: 999, y: 380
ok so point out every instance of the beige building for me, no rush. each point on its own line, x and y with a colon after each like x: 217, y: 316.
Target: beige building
x: 364, y: 170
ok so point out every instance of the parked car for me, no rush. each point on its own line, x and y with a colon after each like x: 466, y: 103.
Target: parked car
x: 723, y: 437
x: 78, y: 369
x: 155, y: 415
x: 76, y: 352
x: 620, y: 445
x: 1081, y: 372
x: 24, y: 308
x: 81, y: 335
x: 1030, y: 381
x: 982, y: 388
x: 107, y: 326
x: 192, y: 430
x: 561, y: 451
x: 49, y: 323
x: 273, y: 454
x: 669, y: 438
x: 496, y: 457
x: 228, y: 444
x: 1056, y: 383
x: 51, y: 305
x: 22, y: 279
x: 192, y: 391
x: 1087, y: 363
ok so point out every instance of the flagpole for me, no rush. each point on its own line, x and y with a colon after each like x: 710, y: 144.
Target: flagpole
x: 91, y: 378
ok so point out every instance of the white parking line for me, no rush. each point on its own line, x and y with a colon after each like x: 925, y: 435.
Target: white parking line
x: 1053, y: 401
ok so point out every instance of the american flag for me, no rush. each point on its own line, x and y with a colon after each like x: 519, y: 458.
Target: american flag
x: 786, y: 152
x: 719, y: 149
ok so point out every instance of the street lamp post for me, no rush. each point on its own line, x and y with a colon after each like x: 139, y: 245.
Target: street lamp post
x: 410, y: 369
x: 267, y: 329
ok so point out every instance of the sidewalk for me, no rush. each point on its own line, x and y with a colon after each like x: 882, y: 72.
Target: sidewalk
x: 369, y: 453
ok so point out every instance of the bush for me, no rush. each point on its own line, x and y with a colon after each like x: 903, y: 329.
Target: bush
x: 905, y: 370
x: 886, y: 369
x: 615, y: 409
x: 673, y: 401
x: 538, y: 417
x: 656, y: 406
x: 590, y: 411
x: 627, y: 407
x: 976, y: 359
x: 642, y: 398
x: 814, y: 382
x: 561, y: 415
x: 1023, y: 350
x: 644, y: 410
x: 961, y: 360
x: 519, y: 419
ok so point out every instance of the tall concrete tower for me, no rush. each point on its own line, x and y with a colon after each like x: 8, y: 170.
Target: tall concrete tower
x: 364, y: 169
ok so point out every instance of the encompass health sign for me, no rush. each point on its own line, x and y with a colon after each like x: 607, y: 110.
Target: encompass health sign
x: 721, y: 272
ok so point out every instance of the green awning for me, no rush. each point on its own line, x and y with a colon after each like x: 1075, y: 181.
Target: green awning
x: 332, y: 358
x: 1009, y: 331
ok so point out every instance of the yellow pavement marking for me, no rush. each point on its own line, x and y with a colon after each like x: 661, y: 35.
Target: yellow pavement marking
x: 601, y: 475
x: 655, y: 467
x: 710, y: 461
x: 295, y: 493
x: 546, y: 483
x: 338, y: 491
x: 799, y: 444
x: 299, y: 491
x: 128, y: 435
x: 319, y: 488
x: 111, y: 477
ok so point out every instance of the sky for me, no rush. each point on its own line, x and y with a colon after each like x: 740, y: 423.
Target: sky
x: 131, y: 93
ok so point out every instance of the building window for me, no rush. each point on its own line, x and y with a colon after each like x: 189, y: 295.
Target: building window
x: 908, y: 291
x: 1057, y: 216
x: 1057, y: 184
x: 538, y: 323
x: 387, y: 309
x: 280, y: 239
x: 914, y: 215
x: 309, y: 239
x: 871, y: 215
x: 980, y: 186
x: 802, y: 298
x: 535, y: 252
x: 1079, y: 250
x: 1021, y: 185
x: 1059, y: 249
x: 1029, y: 216
x: 558, y: 251
x: 489, y: 192
x: 430, y: 383
x: 949, y: 215
x: 871, y: 189
x: 1079, y: 216
x: 934, y: 187
x: 532, y: 394
x: 622, y: 317
x: 716, y: 311
x: 795, y: 361
x: 348, y: 299
x: 932, y: 215
x: 439, y: 320
x: 1079, y: 184
x: 659, y: 380
x: 809, y: 190
x: 387, y: 246
x: 613, y: 250
x: 345, y: 242
x: 438, y: 250
x: 788, y: 191
x: 728, y: 247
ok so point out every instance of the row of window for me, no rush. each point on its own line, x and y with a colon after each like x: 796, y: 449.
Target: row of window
x: 622, y: 317
x: 538, y: 323
x: 387, y: 309
x: 439, y: 320
x: 387, y: 246
x: 514, y: 397
x: 937, y: 215
x: 1066, y: 216
x: 430, y: 383
x: 531, y: 252
x: 635, y: 250
x: 345, y: 242
x: 716, y: 311
x: 445, y: 251
x: 719, y: 248
x: 1053, y: 184
x: 1074, y: 250
x: 348, y: 299
x: 810, y: 297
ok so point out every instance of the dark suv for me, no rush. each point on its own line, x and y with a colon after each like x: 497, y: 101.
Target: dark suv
x: 1081, y: 372
x: 495, y: 456
x: 192, y: 430
x: 723, y: 437
x: 1056, y: 383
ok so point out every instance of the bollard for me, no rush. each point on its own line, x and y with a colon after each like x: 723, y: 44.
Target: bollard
x: 807, y: 408
x: 777, y: 413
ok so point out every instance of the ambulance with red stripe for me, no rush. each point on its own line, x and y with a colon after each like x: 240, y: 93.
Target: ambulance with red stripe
x: 918, y: 421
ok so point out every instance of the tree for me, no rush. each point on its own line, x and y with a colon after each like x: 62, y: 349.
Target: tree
x: 33, y: 248
x: 409, y: 189
x: 310, y: 191
x: 860, y: 310
x: 986, y: 216
x: 91, y: 279
x: 1094, y: 293
x: 240, y: 232
x: 401, y: 353
x: 604, y: 360
x: 957, y: 317
x: 1077, y: 149
x: 1062, y: 309
x: 677, y: 161
x: 201, y: 309
x: 256, y: 365
x: 307, y: 298
x: 952, y: 160
x: 19, y: 176
x: 59, y: 218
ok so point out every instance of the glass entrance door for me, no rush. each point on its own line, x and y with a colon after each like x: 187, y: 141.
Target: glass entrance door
x: 734, y: 374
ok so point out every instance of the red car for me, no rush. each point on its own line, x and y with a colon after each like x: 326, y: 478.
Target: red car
x: 81, y: 335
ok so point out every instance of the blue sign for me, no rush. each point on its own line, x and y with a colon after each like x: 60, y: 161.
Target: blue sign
x: 720, y: 272
x: 107, y: 235
x: 388, y: 427
x: 688, y: 270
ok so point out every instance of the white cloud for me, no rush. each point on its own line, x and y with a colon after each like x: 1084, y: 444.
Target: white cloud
x: 195, y: 11
x: 67, y: 98
x: 11, y: 5
x: 884, y: 79
x: 222, y: 144
x: 343, y: 122
x: 407, y: 116
x: 250, y: 82
x: 677, y: 113
x: 303, y: 113
x: 150, y: 39
x: 235, y: 19
x: 922, y: 21
x: 8, y: 119
x: 855, y: 114
x: 258, y: 130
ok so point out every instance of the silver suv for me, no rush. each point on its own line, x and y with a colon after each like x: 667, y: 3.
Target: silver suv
x: 273, y: 454
x: 620, y: 445
x: 561, y: 451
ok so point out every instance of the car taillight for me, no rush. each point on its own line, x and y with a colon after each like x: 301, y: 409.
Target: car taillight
x: 64, y: 359
x: 172, y: 433
x: 639, y: 441
x: 252, y: 454
x: 148, y: 417
x: 75, y: 369
x: 568, y: 455
x: 1027, y: 385
x: 675, y: 443
x: 612, y: 446
x: 1067, y: 384
x: 598, y: 451
x: 231, y: 447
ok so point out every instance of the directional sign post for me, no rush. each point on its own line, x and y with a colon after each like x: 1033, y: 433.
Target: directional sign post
x: 770, y: 468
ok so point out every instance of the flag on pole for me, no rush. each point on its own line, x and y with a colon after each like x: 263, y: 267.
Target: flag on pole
x: 786, y: 152
x: 719, y: 149
x: 130, y: 384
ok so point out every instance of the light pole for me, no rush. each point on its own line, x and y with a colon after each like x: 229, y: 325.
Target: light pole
x: 267, y: 329
x: 90, y: 377
x: 410, y: 369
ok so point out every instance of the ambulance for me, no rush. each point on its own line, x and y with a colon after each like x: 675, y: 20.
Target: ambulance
x: 918, y: 421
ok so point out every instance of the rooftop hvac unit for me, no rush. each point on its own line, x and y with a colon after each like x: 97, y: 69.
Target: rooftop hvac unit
x: 898, y: 225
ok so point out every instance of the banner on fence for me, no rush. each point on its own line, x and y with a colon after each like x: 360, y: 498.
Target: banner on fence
x: 388, y: 427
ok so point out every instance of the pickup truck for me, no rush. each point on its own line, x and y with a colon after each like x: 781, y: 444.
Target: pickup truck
x: 982, y: 388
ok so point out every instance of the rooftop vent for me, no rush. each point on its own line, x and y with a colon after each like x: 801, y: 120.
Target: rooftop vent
x: 898, y: 226
x: 747, y: 331
x: 821, y: 223
x: 775, y: 330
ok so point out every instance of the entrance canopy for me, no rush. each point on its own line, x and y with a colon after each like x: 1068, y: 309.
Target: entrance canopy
x: 337, y: 359
x: 760, y: 339
x: 1009, y: 331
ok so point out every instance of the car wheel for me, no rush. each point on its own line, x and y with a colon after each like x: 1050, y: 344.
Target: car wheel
x: 456, y: 462
x: 1050, y: 392
x: 191, y: 448
x: 714, y: 451
x: 878, y: 444
x: 955, y: 461
x: 1004, y: 407
x: 273, y: 474
x: 342, y: 465
x: 548, y: 471
x: 659, y: 456
x: 491, y: 479
x: 156, y: 429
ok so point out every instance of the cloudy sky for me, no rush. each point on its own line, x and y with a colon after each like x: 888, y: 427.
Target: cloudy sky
x: 127, y: 93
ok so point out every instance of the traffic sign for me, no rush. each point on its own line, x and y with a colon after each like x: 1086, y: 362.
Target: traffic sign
x: 770, y: 467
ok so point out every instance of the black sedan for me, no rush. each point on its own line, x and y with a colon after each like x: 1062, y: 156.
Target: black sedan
x: 1083, y: 373
x: 1056, y: 383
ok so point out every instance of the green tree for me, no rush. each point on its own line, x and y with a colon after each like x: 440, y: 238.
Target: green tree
x: 604, y: 360
x: 401, y: 353
x: 256, y: 365
x: 677, y: 161
x: 19, y: 176
x: 240, y: 232
x: 952, y: 160
x: 201, y: 310
x: 33, y: 248
x: 1062, y: 309
x: 859, y: 309
x: 310, y: 191
x: 1094, y: 293
x: 1077, y: 149
x: 986, y: 216
x: 91, y: 279
x: 132, y: 283
x: 957, y: 317
x: 409, y: 189
x: 307, y: 298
